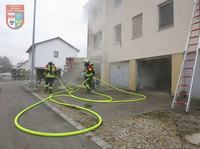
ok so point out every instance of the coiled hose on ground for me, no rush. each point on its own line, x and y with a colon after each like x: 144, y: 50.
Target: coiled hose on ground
x: 69, y: 92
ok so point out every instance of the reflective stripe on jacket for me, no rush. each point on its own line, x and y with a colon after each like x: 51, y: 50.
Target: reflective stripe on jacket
x: 89, y: 75
x: 50, y: 71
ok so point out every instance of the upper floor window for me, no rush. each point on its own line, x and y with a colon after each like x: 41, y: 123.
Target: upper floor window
x: 166, y: 14
x: 97, y: 40
x: 117, y: 3
x: 95, y: 10
x: 117, y: 33
x: 137, y: 26
x: 55, y: 54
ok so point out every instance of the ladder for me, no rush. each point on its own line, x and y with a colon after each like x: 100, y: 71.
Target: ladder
x: 186, y: 78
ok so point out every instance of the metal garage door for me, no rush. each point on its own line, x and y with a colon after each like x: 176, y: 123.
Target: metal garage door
x: 119, y: 74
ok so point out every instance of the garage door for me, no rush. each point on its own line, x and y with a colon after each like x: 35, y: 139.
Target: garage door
x: 119, y: 74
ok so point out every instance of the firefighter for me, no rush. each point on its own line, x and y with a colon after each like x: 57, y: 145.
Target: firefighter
x: 50, y: 75
x: 89, y: 73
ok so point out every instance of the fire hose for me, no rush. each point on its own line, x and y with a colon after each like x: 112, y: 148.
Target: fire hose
x: 69, y: 92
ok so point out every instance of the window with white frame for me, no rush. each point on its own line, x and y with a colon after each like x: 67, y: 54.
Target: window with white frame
x: 117, y: 33
x: 55, y: 54
x: 97, y: 40
x: 166, y: 14
x: 117, y: 3
x: 137, y: 26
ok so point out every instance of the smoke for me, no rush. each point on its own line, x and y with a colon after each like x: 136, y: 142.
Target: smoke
x: 94, y: 9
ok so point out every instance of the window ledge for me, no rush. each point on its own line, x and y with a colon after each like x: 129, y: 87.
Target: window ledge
x: 133, y: 38
x: 166, y: 27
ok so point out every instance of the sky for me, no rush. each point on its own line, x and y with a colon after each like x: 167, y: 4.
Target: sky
x: 64, y: 18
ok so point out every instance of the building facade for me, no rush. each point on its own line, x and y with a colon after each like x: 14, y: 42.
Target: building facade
x: 55, y: 50
x: 139, y: 44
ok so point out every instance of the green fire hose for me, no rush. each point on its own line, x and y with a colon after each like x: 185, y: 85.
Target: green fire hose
x: 69, y: 92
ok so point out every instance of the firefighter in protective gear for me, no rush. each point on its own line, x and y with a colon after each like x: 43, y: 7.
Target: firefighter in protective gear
x: 89, y: 72
x: 50, y: 75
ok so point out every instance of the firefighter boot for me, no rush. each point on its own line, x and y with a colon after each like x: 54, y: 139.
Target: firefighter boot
x: 50, y: 90
x: 46, y: 88
x: 88, y: 88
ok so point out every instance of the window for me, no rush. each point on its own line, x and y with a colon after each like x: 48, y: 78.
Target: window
x: 55, y: 54
x: 117, y: 3
x: 117, y: 33
x: 166, y: 14
x: 97, y: 40
x: 137, y: 26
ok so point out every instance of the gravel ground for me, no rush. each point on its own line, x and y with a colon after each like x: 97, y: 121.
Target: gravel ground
x: 155, y: 130
x: 162, y: 130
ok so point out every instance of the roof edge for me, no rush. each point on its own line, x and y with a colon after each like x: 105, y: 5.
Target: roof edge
x: 76, y: 49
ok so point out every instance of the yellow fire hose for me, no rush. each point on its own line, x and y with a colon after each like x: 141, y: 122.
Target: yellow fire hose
x: 70, y: 93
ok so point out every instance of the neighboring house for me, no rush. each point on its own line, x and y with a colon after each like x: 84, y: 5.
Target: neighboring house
x: 25, y: 65
x: 139, y: 44
x: 56, y: 50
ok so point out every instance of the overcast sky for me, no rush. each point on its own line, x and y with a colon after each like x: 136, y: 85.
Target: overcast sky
x: 64, y: 18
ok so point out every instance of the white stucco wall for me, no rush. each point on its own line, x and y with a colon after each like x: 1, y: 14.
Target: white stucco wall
x: 30, y: 60
x: 98, y: 56
x: 99, y: 24
x: 153, y: 42
x: 45, y: 52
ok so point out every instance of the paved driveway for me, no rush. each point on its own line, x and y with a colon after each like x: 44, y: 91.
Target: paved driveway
x: 13, y: 98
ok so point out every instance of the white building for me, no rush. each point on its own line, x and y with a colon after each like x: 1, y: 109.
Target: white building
x: 56, y: 50
x: 139, y: 43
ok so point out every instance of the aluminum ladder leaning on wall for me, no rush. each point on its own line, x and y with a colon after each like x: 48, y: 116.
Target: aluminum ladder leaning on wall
x: 186, y: 78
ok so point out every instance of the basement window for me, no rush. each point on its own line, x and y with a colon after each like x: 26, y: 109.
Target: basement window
x: 166, y: 14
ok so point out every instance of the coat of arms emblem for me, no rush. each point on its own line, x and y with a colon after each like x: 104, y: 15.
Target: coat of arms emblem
x: 15, y: 16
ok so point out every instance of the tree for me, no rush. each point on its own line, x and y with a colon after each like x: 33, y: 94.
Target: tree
x: 6, y: 64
